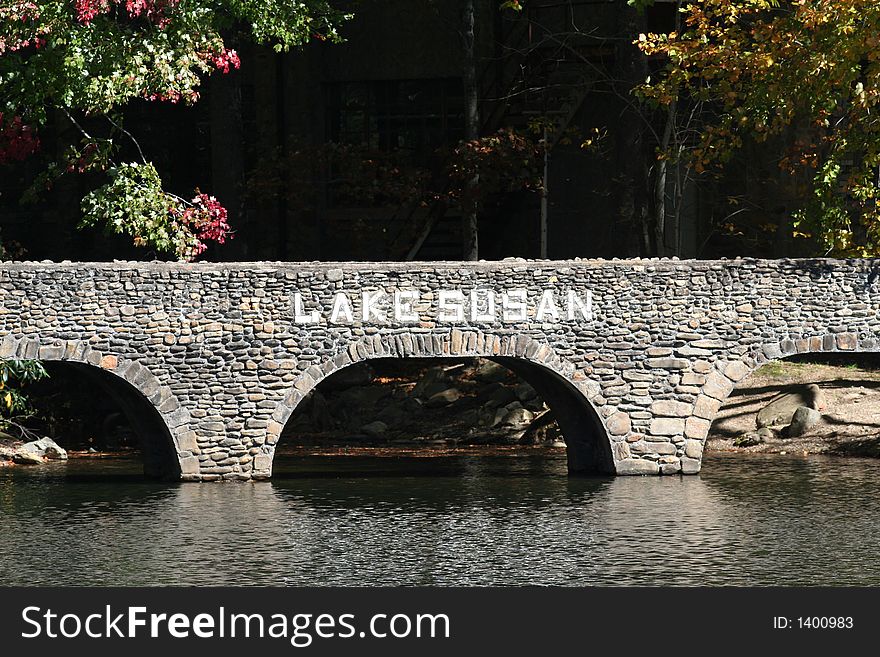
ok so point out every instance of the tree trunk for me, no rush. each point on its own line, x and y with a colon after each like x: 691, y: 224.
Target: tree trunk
x: 661, y: 168
x: 470, y: 233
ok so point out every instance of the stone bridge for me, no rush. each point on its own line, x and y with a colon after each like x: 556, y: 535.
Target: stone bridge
x: 635, y: 357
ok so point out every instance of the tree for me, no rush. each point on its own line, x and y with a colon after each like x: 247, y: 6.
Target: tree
x: 470, y: 227
x: 14, y: 404
x: 86, y: 59
x: 648, y: 190
x: 802, y: 73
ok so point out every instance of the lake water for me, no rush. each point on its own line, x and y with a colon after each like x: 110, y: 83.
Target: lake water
x: 480, y: 518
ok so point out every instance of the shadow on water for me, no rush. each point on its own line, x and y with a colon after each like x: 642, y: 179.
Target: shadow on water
x: 460, y: 520
x: 439, y: 483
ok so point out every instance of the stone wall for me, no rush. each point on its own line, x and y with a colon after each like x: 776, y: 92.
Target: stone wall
x: 224, y: 351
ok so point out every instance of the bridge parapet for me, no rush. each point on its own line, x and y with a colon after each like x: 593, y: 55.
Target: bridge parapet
x: 637, y: 354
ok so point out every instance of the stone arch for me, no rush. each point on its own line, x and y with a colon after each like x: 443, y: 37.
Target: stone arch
x: 564, y: 387
x: 164, y: 459
x: 723, y: 378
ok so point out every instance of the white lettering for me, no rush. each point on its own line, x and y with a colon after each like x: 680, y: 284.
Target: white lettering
x: 368, y: 299
x: 24, y: 617
x: 255, y: 618
x: 451, y: 306
x: 547, y: 305
x: 278, y: 629
x: 155, y: 619
x: 134, y: 621
x: 514, y: 307
x: 403, y: 300
x: 299, y: 312
x: 77, y: 624
x: 341, y: 306
x: 89, y: 620
x: 178, y: 626
x: 203, y: 625
x: 489, y: 314
x: 576, y: 303
x: 114, y: 624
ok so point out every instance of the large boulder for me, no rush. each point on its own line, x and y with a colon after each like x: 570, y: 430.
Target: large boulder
x: 39, y: 451
x: 507, y: 415
x: 392, y: 414
x: 498, y: 395
x: 803, y: 420
x: 518, y: 417
x: 525, y: 392
x: 781, y: 408
x: 434, y: 380
x: 443, y: 398
x: 375, y: 429
x: 491, y: 372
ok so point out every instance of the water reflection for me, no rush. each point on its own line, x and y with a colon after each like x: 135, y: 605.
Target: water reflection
x: 463, y: 519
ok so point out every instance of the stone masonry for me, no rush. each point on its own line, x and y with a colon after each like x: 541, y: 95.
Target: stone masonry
x: 224, y: 352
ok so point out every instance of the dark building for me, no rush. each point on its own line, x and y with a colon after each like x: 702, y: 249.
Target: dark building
x: 394, y: 94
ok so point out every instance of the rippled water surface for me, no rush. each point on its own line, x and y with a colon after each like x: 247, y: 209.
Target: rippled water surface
x: 464, y: 519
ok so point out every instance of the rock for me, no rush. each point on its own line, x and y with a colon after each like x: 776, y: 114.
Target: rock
x: 498, y: 417
x: 359, y: 374
x: 803, y: 420
x: 392, y: 414
x: 28, y: 458
x: 488, y: 417
x: 767, y: 434
x: 500, y: 395
x: 542, y: 428
x: 52, y: 450
x: 781, y: 408
x: 375, y: 429
x: 747, y: 439
x: 525, y: 392
x: 637, y: 467
x: 663, y: 426
x: 491, y: 372
x: 693, y: 449
x: 434, y: 380
x: 411, y: 405
x: 471, y: 418
x: 443, y: 398
x: 39, y: 451
x: 518, y: 417
x: 670, y: 408
x: 535, y: 405
x: 618, y: 424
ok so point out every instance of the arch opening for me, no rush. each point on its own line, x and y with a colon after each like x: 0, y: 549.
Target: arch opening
x: 437, y: 402
x: 812, y: 403
x: 88, y: 410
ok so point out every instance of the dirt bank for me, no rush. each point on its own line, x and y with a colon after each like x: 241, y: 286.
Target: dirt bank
x: 850, y: 423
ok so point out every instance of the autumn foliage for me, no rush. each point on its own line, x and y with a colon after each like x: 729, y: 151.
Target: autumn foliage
x: 803, y: 72
x: 87, y: 59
